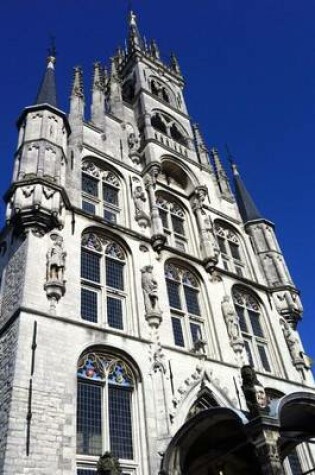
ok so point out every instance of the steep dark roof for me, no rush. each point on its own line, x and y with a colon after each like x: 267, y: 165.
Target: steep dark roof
x: 247, y: 207
x: 47, y: 93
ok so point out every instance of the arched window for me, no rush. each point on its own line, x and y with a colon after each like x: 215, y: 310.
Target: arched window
x: 158, y: 124
x: 170, y: 127
x: 251, y: 324
x: 103, y: 293
x: 183, y: 296
x: 230, y: 248
x: 105, y: 411
x: 160, y: 91
x: 173, y: 220
x: 100, y: 192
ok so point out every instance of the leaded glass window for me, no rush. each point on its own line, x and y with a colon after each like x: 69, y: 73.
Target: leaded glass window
x: 89, y: 185
x: 173, y: 221
x: 89, y: 305
x: 105, y: 406
x: 184, y: 295
x: 101, y: 192
x: 250, y: 319
x: 88, y: 207
x: 230, y: 249
x: 90, y: 266
x: 103, y: 281
x: 178, y: 331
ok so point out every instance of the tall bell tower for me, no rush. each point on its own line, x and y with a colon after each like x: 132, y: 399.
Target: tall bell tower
x: 148, y: 321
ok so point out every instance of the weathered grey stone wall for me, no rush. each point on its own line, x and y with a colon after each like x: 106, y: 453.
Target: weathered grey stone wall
x: 8, y: 349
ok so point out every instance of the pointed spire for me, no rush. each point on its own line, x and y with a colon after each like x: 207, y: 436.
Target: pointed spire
x: 77, y: 84
x: 155, y: 52
x: 247, y: 207
x: 98, y: 77
x: 222, y: 178
x: 174, y: 64
x: 134, y: 38
x: 201, y: 146
x: 47, y: 93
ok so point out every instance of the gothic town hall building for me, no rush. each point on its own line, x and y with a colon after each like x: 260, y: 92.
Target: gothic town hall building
x: 147, y: 312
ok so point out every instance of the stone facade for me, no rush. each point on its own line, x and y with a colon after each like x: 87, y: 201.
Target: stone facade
x: 135, y: 187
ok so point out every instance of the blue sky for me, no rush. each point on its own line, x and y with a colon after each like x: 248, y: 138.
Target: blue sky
x: 249, y: 68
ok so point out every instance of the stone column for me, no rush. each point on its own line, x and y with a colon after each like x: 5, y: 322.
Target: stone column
x: 265, y: 437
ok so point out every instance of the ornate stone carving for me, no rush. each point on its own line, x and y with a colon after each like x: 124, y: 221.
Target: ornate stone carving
x: 139, y: 199
x: 289, y: 306
x: 150, y: 294
x: 254, y: 392
x: 108, y: 465
x: 232, y: 325
x: 294, y: 345
x: 55, y: 267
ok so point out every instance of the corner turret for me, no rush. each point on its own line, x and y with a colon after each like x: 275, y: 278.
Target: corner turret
x: 36, y: 196
x: 262, y: 232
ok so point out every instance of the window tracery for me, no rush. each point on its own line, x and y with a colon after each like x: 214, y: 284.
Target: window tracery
x: 250, y: 320
x: 103, y: 264
x: 173, y: 220
x: 230, y: 248
x: 100, y: 192
x: 105, y: 412
x: 184, y: 301
x: 168, y: 126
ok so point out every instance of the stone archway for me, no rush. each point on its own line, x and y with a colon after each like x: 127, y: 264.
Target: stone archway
x: 213, y: 442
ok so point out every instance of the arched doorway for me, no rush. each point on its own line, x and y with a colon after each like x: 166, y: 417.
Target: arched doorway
x: 213, y: 442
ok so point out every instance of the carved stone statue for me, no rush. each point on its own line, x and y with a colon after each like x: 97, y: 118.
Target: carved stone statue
x: 56, y: 257
x: 150, y: 287
x: 139, y: 197
x: 231, y: 320
x: 292, y: 342
x: 254, y: 392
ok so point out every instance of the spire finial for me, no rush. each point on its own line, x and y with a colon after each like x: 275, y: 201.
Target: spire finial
x: 231, y: 160
x: 52, y: 52
x: 77, y: 85
x: 174, y: 64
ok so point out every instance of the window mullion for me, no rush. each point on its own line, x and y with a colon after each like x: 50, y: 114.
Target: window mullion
x: 105, y: 422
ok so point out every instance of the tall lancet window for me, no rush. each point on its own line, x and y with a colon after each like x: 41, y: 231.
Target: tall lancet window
x: 232, y: 257
x: 105, y: 406
x: 184, y: 302
x: 173, y: 220
x: 100, y: 192
x: 103, y: 294
x: 251, y: 323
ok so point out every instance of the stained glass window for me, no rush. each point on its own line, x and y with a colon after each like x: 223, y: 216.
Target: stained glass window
x: 104, y: 407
